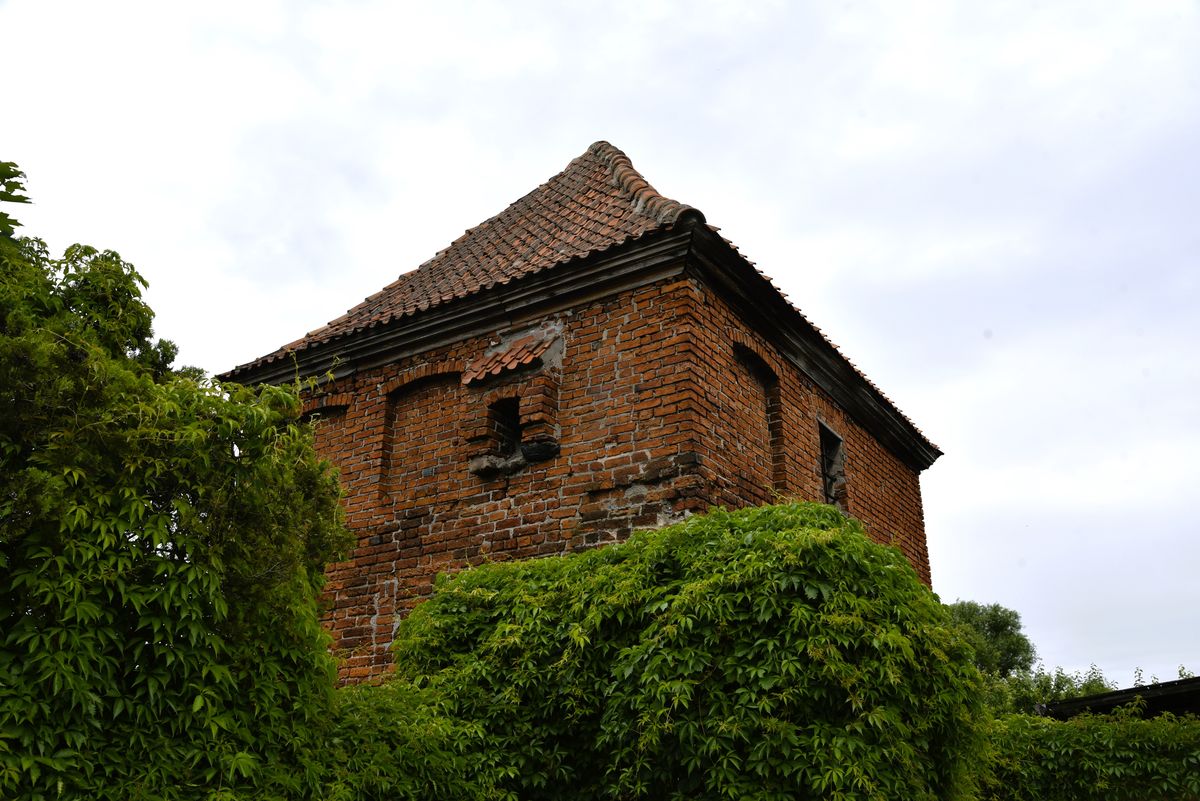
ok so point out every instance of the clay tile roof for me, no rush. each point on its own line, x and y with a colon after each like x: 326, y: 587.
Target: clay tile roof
x: 519, y: 353
x: 597, y: 202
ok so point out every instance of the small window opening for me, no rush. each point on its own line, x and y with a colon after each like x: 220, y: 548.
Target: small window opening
x: 833, y: 468
x: 505, y: 418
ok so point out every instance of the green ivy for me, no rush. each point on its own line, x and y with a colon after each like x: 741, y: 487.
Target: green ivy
x: 1120, y: 757
x: 162, y: 542
x: 771, y: 653
x: 391, y: 742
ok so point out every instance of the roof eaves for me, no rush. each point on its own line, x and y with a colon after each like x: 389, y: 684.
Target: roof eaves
x: 558, y: 244
x: 925, y: 451
x: 311, y: 342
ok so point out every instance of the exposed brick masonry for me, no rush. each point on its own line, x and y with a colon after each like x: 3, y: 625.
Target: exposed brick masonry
x: 883, y: 492
x: 658, y: 401
x: 593, y: 359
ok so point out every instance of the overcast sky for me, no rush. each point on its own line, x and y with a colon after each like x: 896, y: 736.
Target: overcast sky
x: 990, y: 207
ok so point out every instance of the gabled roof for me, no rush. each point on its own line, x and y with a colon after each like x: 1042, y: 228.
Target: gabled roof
x: 597, y: 202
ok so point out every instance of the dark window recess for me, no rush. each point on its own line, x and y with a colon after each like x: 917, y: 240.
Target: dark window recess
x: 505, y: 418
x: 833, y: 468
x: 505, y: 445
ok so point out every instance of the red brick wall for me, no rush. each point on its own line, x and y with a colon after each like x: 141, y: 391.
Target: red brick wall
x: 661, y: 404
x: 620, y: 404
x: 883, y: 492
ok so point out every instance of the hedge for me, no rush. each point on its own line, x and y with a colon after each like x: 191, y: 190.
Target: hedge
x: 769, y: 653
x: 1118, y: 757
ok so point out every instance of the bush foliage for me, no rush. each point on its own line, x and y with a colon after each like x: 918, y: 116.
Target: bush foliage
x: 770, y: 653
x: 391, y: 741
x: 1117, y: 757
x: 162, y: 543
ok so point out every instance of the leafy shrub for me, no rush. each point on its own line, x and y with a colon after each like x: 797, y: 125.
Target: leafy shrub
x: 377, y: 742
x: 1093, y: 758
x: 770, y: 653
x: 161, y: 547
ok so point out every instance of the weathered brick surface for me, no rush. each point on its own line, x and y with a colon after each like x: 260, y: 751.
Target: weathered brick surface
x: 883, y: 492
x: 660, y: 402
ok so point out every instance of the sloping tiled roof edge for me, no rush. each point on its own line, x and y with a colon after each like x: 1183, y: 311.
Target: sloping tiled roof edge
x: 642, y: 259
x: 482, y: 247
x: 648, y: 212
x: 809, y: 348
x: 1180, y: 696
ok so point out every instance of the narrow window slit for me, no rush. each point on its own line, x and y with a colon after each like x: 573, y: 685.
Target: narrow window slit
x: 505, y: 418
x: 833, y: 468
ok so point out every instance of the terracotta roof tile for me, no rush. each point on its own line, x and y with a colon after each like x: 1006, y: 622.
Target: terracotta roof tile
x: 519, y: 353
x: 597, y: 202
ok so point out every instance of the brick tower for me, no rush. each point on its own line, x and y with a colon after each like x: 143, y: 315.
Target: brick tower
x: 593, y: 359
